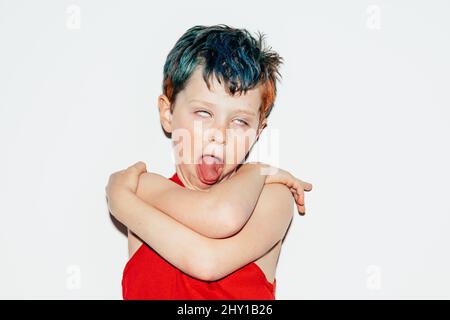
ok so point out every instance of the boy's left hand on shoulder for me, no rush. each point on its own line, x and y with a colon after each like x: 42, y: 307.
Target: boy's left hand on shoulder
x: 296, y: 185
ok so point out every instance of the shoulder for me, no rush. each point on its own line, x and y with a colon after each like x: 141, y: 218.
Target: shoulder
x: 277, y: 196
x: 152, y: 183
x: 268, y: 223
x: 274, y: 209
x: 155, y: 179
x: 150, y: 177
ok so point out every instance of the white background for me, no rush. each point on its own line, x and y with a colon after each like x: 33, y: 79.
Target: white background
x: 362, y: 112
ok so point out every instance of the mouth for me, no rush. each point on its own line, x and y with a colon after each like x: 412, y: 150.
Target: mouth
x: 211, y: 158
x: 209, y: 168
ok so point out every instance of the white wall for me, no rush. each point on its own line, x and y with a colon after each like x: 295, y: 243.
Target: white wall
x: 363, y: 114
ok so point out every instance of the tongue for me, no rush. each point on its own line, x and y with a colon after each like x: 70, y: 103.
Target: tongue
x: 209, y: 169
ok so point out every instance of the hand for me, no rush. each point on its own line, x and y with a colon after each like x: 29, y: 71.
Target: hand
x: 297, y: 186
x: 127, y: 180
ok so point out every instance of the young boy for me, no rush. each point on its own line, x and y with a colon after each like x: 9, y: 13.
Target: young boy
x: 213, y: 230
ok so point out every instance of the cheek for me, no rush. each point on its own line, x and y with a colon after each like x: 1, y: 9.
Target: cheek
x: 238, y: 146
x: 187, y: 147
x: 192, y: 127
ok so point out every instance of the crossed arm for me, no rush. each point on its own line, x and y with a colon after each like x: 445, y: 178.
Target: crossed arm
x: 206, y: 258
x: 194, y: 253
x: 218, y: 212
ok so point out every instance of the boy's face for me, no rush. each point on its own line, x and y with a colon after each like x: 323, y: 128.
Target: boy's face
x: 210, y: 122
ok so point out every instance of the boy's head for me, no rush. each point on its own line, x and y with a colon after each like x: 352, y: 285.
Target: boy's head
x: 219, y: 88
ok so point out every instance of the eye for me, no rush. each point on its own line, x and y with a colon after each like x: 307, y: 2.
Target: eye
x: 204, y: 112
x: 242, y: 122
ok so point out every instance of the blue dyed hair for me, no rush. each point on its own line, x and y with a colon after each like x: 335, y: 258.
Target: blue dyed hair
x: 236, y: 58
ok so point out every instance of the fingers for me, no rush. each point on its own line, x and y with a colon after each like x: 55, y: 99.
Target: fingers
x: 301, y: 195
x: 301, y: 210
x: 138, y: 166
x: 308, y: 186
x: 299, y: 199
x: 300, y: 189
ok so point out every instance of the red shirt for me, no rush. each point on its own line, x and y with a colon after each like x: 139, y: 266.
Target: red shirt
x: 148, y: 276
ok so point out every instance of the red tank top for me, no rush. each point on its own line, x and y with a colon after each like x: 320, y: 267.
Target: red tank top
x: 149, y: 276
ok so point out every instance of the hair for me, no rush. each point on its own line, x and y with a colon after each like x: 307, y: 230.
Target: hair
x: 232, y: 55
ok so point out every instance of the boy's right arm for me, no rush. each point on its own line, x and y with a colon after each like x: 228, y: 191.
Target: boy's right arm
x: 218, y: 212
x: 222, y: 210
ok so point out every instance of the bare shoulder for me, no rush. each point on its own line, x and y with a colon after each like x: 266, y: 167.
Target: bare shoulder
x: 273, y: 211
x: 152, y: 183
x: 151, y: 178
x: 277, y: 196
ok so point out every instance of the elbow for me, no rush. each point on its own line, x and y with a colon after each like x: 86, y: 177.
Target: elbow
x: 205, y: 273
x: 230, y: 219
x: 202, y: 265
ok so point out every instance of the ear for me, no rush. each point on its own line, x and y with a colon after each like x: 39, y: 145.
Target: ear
x: 165, y: 116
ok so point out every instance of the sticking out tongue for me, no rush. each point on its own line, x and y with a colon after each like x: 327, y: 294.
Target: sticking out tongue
x: 209, y: 169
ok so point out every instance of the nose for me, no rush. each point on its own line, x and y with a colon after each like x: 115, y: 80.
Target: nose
x: 217, y: 134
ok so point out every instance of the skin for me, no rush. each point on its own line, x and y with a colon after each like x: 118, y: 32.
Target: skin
x: 216, y: 111
x: 224, y: 225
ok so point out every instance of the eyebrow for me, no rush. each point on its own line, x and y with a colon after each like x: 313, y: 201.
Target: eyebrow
x: 201, y: 101
x: 251, y: 113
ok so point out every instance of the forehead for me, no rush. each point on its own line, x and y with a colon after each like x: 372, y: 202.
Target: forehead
x: 196, y: 89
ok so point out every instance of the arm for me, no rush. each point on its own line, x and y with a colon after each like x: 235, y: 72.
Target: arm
x: 218, y: 212
x: 198, y: 256
x: 266, y: 227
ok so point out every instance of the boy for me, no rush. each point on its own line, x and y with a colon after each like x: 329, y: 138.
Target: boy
x: 214, y: 230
